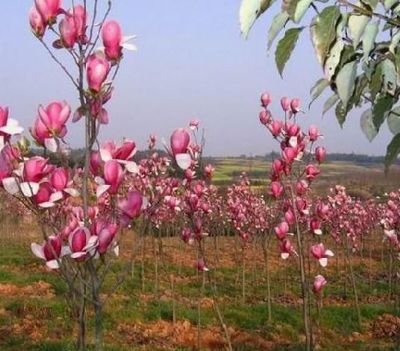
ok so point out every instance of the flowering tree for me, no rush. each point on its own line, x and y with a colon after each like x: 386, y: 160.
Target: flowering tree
x: 82, y: 211
x: 292, y: 176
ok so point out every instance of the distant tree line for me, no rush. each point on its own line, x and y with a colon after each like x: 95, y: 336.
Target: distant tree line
x: 77, y: 155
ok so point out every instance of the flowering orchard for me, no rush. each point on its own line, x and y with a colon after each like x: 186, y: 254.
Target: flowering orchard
x: 87, y: 214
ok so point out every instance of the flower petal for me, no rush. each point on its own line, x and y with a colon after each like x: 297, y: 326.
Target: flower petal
x: 37, y: 250
x: 183, y: 160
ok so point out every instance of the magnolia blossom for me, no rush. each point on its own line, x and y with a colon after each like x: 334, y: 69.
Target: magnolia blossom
x: 285, y: 103
x: 130, y: 207
x: 282, y: 230
x: 50, y: 123
x: 97, y: 69
x: 318, y: 285
x: 48, y: 9
x: 180, y: 140
x: 50, y: 250
x: 8, y: 127
x: 286, y: 248
x: 321, y: 254
x: 82, y: 243
x: 113, y: 40
x: 73, y: 27
x: 265, y: 100
x: 295, y: 105
x: 38, y: 25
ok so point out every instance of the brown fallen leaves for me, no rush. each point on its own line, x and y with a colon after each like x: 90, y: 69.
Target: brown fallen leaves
x: 37, y: 289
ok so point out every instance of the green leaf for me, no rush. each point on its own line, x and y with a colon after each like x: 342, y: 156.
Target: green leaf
x: 301, y: 8
x: 392, y: 151
x: 389, y: 3
x: 394, y: 43
x: 367, y: 125
x: 333, y: 59
x: 389, y: 75
x: 345, y: 81
x: 380, y: 109
x: 323, y: 31
x: 285, y: 47
x: 376, y: 82
x: 277, y: 25
x: 329, y: 103
x: 348, y: 55
x: 360, y: 86
x: 318, y: 88
x: 371, y: 30
x: 290, y: 7
x: 357, y: 24
x: 250, y: 10
x: 393, y: 120
x: 341, y: 113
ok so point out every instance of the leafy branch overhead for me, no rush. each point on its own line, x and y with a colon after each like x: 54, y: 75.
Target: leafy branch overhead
x: 357, y: 46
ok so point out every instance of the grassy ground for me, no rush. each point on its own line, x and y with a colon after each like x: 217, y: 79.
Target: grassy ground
x: 362, y: 180
x: 34, y: 315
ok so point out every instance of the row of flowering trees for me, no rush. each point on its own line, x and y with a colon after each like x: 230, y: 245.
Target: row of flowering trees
x: 85, y: 212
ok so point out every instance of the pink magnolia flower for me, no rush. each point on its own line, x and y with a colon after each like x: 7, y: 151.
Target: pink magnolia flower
x: 276, y: 189
x: 96, y: 163
x: 8, y: 126
x: 130, y: 207
x: 112, y: 39
x: 43, y: 194
x: 265, y: 100
x: 38, y: 25
x: 124, y: 152
x: 106, y: 237
x: 194, y: 124
x: 50, y: 251
x: 265, y: 117
x: 275, y: 128
x: 321, y: 254
x: 209, y: 171
x: 113, y: 175
x: 286, y: 248
x: 322, y: 210
x: 48, y: 9
x: 313, y: 133
x: 187, y: 236
x: 290, y: 154
x: 68, y: 32
x: 54, y: 117
x: 285, y: 103
x: 282, y: 230
x: 36, y: 168
x: 180, y: 140
x: 319, y: 283
x: 40, y: 132
x: 312, y: 172
x: 59, y: 178
x: 295, y: 105
x: 320, y: 154
x: 5, y: 166
x: 97, y: 69
x: 201, y: 265
x: 290, y: 217
x: 301, y: 187
x: 79, y: 15
x: 81, y: 243
x: 315, y: 226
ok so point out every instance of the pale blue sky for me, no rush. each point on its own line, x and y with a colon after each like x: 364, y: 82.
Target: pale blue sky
x: 191, y: 63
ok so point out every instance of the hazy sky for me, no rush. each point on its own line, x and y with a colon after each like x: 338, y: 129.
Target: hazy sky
x: 191, y: 62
